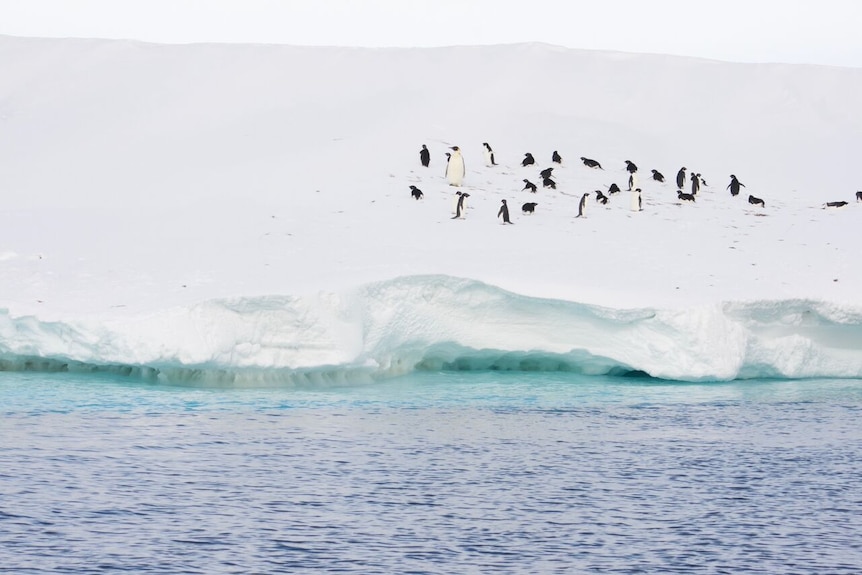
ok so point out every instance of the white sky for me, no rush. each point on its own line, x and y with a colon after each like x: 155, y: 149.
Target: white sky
x: 794, y: 31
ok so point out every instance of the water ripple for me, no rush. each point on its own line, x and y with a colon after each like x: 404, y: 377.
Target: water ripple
x: 600, y: 487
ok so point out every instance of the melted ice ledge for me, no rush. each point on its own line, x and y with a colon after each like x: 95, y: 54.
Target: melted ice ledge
x: 438, y: 322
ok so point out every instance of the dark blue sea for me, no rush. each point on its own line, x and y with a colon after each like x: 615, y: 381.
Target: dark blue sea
x: 443, y: 472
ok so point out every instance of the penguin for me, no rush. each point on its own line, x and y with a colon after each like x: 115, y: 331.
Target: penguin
x: 416, y: 193
x: 636, y: 204
x: 546, y: 173
x: 528, y: 160
x: 657, y: 176
x: 528, y: 185
x: 695, y: 184
x: 455, y: 168
x: 529, y: 207
x: 684, y: 197
x: 461, y: 208
x: 489, y: 155
x: 555, y: 157
x: 591, y: 163
x: 631, y: 167
x: 680, y: 178
x: 835, y: 204
x: 756, y: 201
x: 549, y: 183
x: 458, y: 204
x: 734, y: 185
x: 425, y: 156
x: 582, y: 206
x: 504, y: 211
x: 633, y: 181
x: 613, y: 189
x: 859, y: 196
x: 702, y: 181
x: 601, y: 198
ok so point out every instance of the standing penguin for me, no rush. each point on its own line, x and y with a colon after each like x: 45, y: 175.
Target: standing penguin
x: 425, y: 156
x: 504, y: 211
x: 680, y: 178
x: 488, y: 153
x: 734, y: 185
x: 455, y: 168
x: 582, y: 206
x: 528, y: 160
x: 657, y: 176
x: 631, y: 167
x: 556, y: 158
x: 633, y: 181
x: 695, y: 184
x: 636, y: 203
x: 702, y: 181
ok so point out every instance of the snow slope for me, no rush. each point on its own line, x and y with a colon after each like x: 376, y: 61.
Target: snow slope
x: 155, y: 192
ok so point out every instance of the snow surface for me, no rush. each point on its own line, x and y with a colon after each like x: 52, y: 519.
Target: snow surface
x: 244, y: 211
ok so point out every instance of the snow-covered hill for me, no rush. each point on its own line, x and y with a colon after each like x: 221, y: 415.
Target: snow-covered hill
x: 143, y: 181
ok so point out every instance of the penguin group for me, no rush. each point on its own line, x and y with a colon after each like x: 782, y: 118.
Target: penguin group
x: 455, y: 173
x: 460, y: 205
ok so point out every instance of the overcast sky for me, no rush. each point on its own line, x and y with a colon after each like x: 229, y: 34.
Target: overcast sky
x: 794, y: 31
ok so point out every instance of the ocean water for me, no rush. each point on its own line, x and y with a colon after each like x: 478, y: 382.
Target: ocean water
x: 443, y: 472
